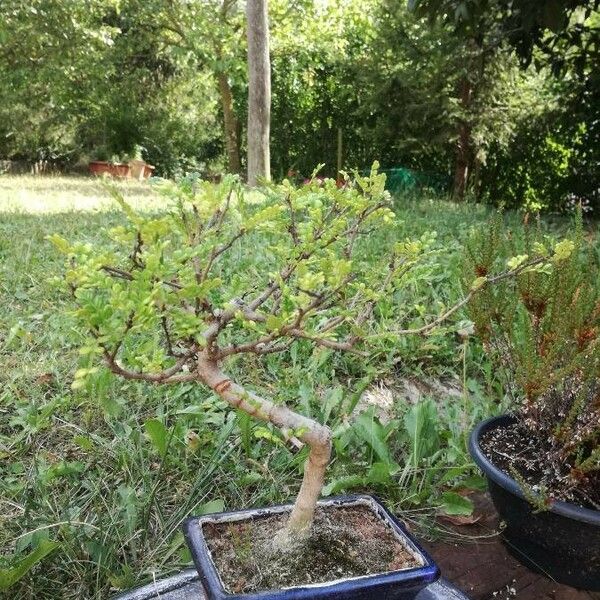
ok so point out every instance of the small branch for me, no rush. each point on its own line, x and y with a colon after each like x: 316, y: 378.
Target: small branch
x: 489, y: 281
x: 128, y: 326
x: 293, y: 230
x: 346, y: 346
x: 332, y: 324
x: 216, y: 252
x: 253, y: 347
x: 354, y: 231
x: 114, y: 272
x: 166, y: 376
x: 165, y: 328
x: 121, y: 274
x: 285, y: 274
x: 137, y: 250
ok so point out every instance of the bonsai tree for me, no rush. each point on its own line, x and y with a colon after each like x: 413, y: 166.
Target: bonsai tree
x: 174, y: 297
x: 542, y: 327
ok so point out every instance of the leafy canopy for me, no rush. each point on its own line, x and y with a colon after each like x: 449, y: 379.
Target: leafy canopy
x: 230, y: 272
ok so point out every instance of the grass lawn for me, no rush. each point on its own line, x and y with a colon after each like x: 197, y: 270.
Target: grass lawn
x: 59, y: 194
x: 77, y: 466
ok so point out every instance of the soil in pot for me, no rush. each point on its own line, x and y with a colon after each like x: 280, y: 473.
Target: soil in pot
x: 515, y: 447
x: 345, y: 542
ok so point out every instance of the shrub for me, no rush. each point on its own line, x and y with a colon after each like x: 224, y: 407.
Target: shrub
x: 175, y: 296
x: 542, y: 328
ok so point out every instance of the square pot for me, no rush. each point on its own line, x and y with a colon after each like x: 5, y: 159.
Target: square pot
x: 99, y: 167
x: 402, y: 584
x: 120, y: 170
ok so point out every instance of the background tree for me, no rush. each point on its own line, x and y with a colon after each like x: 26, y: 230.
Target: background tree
x: 209, y: 36
x: 259, y: 91
x: 561, y: 35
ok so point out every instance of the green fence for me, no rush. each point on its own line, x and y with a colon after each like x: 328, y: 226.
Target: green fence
x: 400, y: 179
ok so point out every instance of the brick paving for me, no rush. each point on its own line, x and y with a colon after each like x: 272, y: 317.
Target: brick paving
x: 483, y: 568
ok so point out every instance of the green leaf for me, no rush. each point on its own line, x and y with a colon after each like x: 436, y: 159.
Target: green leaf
x: 477, y: 283
x: 158, y: 435
x: 246, y: 424
x: 273, y: 323
x: 59, y: 242
x: 475, y: 482
x: 214, y: 506
x: 421, y: 425
x: 129, y: 506
x: 344, y: 483
x: 84, y: 442
x: 368, y: 427
x: 10, y: 576
x: 266, y: 434
x: 516, y: 261
x: 382, y: 472
x: 455, y: 504
x: 563, y: 250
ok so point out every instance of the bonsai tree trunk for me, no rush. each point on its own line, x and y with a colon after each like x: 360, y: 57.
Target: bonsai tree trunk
x: 230, y: 124
x: 315, y: 435
x: 259, y: 91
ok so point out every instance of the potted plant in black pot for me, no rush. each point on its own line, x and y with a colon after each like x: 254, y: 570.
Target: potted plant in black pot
x: 542, y: 461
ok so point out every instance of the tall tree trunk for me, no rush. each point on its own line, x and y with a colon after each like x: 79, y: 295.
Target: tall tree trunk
x: 231, y: 125
x: 259, y: 91
x: 463, y: 144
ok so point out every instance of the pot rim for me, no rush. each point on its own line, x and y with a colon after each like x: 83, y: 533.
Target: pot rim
x: 424, y: 573
x: 565, y: 509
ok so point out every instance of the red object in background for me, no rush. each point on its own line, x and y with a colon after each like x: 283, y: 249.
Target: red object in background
x: 148, y: 169
x: 120, y: 170
x: 99, y: 167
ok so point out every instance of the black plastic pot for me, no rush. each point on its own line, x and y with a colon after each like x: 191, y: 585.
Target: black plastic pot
x: 562, y: 542
x: 394, y: 585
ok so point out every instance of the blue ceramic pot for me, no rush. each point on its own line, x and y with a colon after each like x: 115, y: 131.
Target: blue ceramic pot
x: 562, y: 542
x: 394, y: 585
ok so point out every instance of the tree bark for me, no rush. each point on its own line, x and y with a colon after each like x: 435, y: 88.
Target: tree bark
x: 259, y: 91
x: 315, y: 435
x: 463, y: 144
x: 231, y: 125
x: 340, y: 154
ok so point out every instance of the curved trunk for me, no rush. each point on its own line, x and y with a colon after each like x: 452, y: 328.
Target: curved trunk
x: 315, y: 435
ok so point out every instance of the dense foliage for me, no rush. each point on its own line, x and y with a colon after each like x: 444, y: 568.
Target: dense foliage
x: 502, y: 102
x: 542, y: 329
